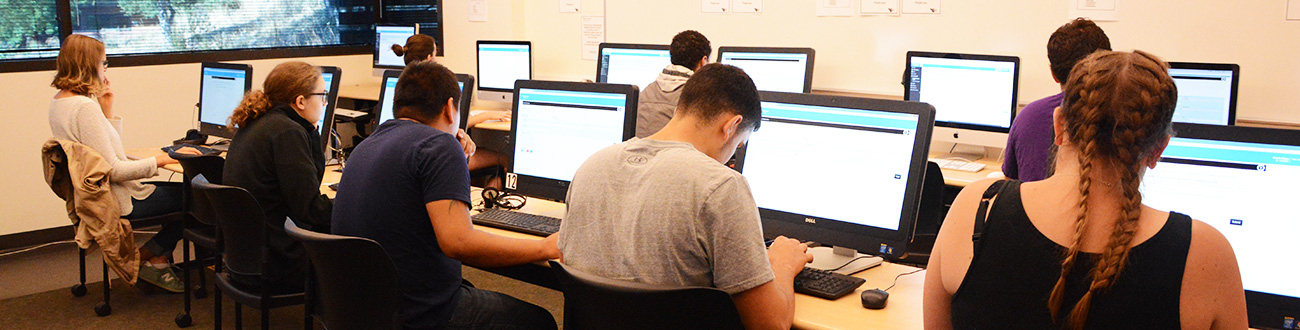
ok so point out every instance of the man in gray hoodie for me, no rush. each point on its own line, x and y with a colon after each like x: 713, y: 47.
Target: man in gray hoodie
x: 690, y: 50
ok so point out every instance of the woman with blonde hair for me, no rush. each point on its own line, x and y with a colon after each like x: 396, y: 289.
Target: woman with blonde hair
x: 277, y: 156
x: 1079, y: 250
x: 82, y: 111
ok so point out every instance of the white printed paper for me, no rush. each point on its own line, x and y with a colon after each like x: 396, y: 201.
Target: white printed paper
x: 835, y: 7
x: 715, y: 6
x: 880, y: 7
x: 570, y: 6
x: 593, y: 33
x: 929, y: 7
x: 1293, y: 10
x: 478, y: 11
x: 747, y: 6
x: 1097, y: 10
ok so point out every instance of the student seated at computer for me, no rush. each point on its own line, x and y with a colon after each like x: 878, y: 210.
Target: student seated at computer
x: 420, y: 47
x: 82, y: 112
x: 1029, y: 144
x: 277, y: 157
x: 689, y: 51
x: 1079, y: 249
x: 664, y: 210
x: 407, y: 187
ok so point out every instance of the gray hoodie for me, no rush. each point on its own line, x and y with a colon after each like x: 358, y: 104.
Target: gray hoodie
x: 658, y: 100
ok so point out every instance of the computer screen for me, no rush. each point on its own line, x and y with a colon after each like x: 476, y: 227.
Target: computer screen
x: 325, y: 124
x: 501, y: 63
x: 385, y: 37
x: 221, y: 87
x: 631, y: 64
x: 868, y: 202
x: 970, y: 91
x: 556, y: 126
x: 773, y: 69
x: 466, y: 97
x: 1207, y: 93
x: 1240, y: 180
x: 384, y: 112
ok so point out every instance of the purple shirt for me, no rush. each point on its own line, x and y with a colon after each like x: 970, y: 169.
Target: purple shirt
x: 1030, y: 142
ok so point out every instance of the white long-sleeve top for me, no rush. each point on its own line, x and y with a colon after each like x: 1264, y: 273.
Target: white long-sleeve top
x: 79, y: 118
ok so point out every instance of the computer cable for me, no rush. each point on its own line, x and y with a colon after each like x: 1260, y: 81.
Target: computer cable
x: 495, y: 198
x: 891, y: 286
x: 850, y: 262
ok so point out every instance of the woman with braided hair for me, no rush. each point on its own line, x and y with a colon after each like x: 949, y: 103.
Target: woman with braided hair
x: 1079, y: 250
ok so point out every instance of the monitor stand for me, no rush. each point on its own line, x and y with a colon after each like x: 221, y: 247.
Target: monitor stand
x: 966, y: 152
x: 827, y: 258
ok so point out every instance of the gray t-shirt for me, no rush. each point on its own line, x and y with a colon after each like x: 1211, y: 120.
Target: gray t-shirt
x: 661, y: 212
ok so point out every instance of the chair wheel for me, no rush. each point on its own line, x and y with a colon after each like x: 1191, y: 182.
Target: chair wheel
x: 103, y: 309
x: 183, y: 320
x: 200, y: 292
x: 78, y: 290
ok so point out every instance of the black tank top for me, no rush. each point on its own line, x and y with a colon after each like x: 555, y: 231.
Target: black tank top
x: 1012, y: 275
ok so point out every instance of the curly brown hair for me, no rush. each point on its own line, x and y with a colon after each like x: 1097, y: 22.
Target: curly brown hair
x: 283, y: 85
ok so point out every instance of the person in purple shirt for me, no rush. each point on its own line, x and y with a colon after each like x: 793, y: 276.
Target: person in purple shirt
x: 1029, y: 144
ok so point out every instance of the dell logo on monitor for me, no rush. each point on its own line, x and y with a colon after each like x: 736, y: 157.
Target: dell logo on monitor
x: 810, y: 220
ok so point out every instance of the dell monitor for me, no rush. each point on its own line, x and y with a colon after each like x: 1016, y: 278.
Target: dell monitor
x: 388, y: 90
x: 385, y: 37
x: 1240, y: 180
x: 872, y: 207
x: 631, y: 64
x: 466, y: 84
x: 221, y: 88
x: 773, y: 69
x: 556, y: 126
x: 974, y: 96
x: 325, y: 124
x: 1207, y: 92
x: 500, y: 64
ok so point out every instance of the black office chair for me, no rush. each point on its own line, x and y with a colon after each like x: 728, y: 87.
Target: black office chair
x: 929, y: 216
x: 242, y: 242
x: 200, y: 231
x: 353, y: 283
x: 593, y: 302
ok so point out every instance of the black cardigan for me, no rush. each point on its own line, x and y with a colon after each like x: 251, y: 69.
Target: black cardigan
x: 278, y: 158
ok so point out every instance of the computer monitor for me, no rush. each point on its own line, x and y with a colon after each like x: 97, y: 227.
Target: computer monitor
x: 631, y: 64
x: 773, y: 69
x: 871, y: 204
x: 385, y: 37
x: 974, y: 96
x: 1207, y: 92
x: 221, y: 88
x: 466, y: 98
x: 325, y: 124
x: 500, y: 64
x: 384, y: 110
x: 556, y: 126
x: 1240, y: 181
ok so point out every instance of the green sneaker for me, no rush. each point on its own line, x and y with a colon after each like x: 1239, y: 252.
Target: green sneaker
x: 162, y: 278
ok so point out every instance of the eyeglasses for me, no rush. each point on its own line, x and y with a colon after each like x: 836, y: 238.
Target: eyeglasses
x: 105, y: 63
x: 324, y: 96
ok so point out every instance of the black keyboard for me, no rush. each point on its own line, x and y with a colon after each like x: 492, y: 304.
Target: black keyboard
x: 517, y: 221
x: 825, y: 284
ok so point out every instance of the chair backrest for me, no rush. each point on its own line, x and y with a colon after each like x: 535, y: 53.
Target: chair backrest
x: 593, y: 302
x: 929, y: 215
x: 242, y: 224
x: 209, y: 166
x: 355, y: 282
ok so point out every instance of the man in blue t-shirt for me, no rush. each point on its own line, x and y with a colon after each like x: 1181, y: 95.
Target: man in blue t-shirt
x: 407, y: 187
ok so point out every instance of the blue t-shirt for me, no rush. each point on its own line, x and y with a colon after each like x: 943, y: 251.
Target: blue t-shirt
x: 387, y: 182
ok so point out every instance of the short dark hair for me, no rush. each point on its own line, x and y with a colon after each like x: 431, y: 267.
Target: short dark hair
x: 1071, y: 43
x: 688, y: 48
x: 422, y: 90
x: 716, y: 89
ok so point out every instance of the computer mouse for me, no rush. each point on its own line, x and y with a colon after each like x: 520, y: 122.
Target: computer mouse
x: 875, y: 299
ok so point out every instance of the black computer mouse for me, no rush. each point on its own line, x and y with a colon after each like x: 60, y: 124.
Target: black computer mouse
x: 875, y: 299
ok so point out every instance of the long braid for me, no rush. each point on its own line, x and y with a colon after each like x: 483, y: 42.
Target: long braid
x: 1112, y: 106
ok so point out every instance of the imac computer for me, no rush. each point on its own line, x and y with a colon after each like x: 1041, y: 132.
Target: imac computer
x: 874, y: 205
x: 384, y: 110
x: 325, y: 124
x: 1207, y: 92
x: 631, y: 64
x: 500, y: 64
x: 974, y: 96
x: 385, y: 37
x: 1240, y: 181
x: 221, y: 88
x: 773, y: 69
x: 466, y: 84
x: 556, y: 126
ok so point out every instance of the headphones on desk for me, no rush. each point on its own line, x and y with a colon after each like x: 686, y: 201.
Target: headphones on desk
x: 496, y: 198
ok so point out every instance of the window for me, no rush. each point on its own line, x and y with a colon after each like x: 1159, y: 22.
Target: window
x: 426, y: 13
x: 29, y: 29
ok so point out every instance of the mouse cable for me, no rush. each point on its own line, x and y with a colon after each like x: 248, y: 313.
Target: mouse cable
x: 891, y: 286
x: 850, y: 262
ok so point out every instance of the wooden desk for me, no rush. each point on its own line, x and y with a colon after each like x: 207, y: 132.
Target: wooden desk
x: 957, y: 178
x: 365, y: 92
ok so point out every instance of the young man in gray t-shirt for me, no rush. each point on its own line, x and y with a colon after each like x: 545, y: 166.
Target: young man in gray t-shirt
x: 664, y: 210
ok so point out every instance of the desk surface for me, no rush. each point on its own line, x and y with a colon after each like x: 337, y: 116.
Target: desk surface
x: 368, y: 91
